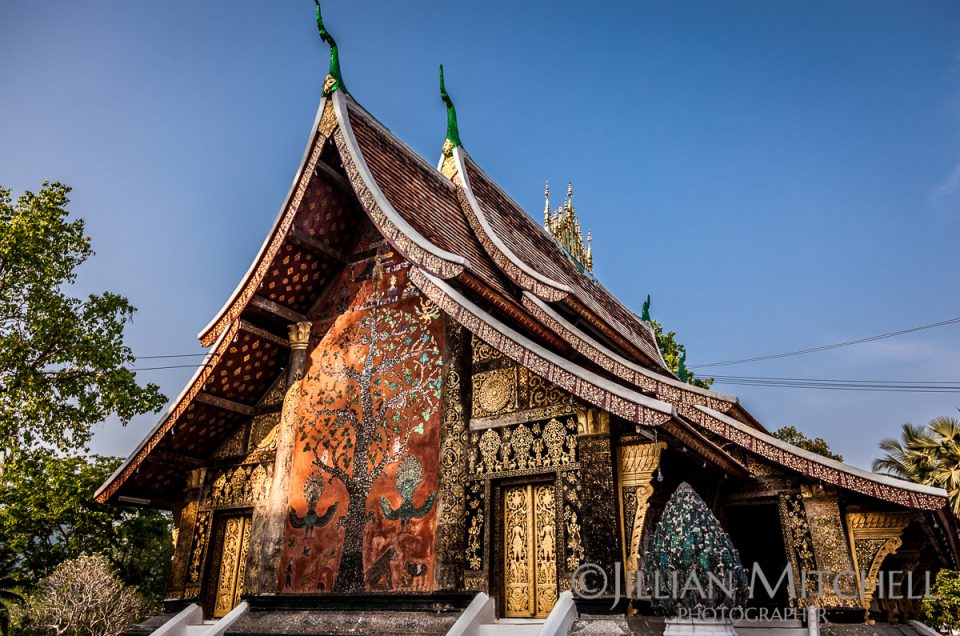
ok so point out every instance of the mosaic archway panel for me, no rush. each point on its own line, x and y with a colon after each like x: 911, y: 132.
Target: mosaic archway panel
x: 362, y: 496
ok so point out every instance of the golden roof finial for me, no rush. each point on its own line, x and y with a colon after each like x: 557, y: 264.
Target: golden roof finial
x: 546, y: 205
x: 565, y: 228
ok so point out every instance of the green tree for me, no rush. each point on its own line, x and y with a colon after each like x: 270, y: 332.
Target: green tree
x: 927, y: 454
x: 63, y: 363
x: 942, y: 606
x: 816, y: 445
x: 672, y: 353
x: 48, y: 515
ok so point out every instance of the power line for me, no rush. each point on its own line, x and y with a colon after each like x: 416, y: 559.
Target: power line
x: 835, y: 345
x: 173, y: 366
x: 895, y: 386
x: 173, y: 355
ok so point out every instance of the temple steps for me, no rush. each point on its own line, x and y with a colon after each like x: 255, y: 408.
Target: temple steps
x: 511, y: 627
x: 770, y: 628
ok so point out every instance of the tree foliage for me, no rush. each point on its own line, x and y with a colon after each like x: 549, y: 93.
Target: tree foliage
x: 48, y: 515
x: 10, y: 590
x: 928, y: 454
x: 63, y: 364
x: 672, y: 353
x: 942, y: 606
x: 83, y: 597
x: 816, y: 445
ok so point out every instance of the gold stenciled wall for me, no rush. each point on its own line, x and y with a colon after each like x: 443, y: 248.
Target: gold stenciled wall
x: 236, y: 478
x: 521, y: 429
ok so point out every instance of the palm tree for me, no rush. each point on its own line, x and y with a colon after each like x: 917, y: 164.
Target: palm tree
x: 926, y: 454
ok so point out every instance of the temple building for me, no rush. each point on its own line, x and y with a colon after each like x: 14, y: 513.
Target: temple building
x: 419, y: 402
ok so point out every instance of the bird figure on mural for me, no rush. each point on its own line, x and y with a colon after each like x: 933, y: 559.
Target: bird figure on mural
x: 312, y: 490
x: 408, y: 479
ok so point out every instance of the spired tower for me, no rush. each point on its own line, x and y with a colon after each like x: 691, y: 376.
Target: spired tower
x: 564, y: 225
x: 416, y: 399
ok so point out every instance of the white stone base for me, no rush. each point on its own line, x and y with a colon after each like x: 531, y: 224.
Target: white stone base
x: 698, y: 627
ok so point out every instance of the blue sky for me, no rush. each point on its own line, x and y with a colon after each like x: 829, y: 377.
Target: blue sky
x: 776, y: 175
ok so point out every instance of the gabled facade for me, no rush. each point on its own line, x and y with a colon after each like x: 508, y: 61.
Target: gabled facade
x: 414, y: 395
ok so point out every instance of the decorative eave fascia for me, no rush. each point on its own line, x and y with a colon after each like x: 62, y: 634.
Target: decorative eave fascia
x: 245, y: 290
x: 586, y: 385
x: 666, y: 388
x: 814, y: 466
x: 401, y: 235
x: 170, y: 415
x: 523, y: 275
x: 689, y: 436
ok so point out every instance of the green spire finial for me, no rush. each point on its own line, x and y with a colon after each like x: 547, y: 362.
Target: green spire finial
x: 645, y: 316
x: 682, y: 368
x: 453, y: 131
x: 334, y: 79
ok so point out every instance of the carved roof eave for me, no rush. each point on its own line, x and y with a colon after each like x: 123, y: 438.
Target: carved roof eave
x: 398, y: 232
x: 883, y: 487
x: 169, y: 416
x: 582, y: 383
x: 522, y: 274
x: 665, y: 387
x: 250, y: 282
x: 334, y: 121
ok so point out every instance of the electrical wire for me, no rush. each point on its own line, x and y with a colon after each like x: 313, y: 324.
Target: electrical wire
x: 835, y: 345
x: 895, y: 386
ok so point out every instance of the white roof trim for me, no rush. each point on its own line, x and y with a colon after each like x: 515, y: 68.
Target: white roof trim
x: 340, y: 105
x: 273, y: 228
x: 627, y: 363
x: 460, y: 156
x: 580, y: 372
x: 886, y: 480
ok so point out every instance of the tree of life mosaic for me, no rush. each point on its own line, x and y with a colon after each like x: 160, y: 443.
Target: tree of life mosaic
x: 362, y: 503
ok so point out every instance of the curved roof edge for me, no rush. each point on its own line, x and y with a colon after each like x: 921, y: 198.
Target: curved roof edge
x: 520, y: 272
x: 169, y: 416
x: 586, y: 385
x: 287, y: 211
x: 405, y: 238
x: 905, y: 493
x: 610, y: 360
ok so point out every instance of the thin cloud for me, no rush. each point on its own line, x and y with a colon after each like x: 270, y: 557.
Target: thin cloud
x: 950, y: 185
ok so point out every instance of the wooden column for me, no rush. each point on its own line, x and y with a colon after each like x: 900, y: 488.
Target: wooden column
x: 269, y: 516
x: 873, y: 537
x: 831, y: 548
x: 185, y: 520
x: 637, y: 464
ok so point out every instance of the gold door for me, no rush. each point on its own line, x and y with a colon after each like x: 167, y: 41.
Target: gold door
x: 233, y: 564
x: 530, y: 550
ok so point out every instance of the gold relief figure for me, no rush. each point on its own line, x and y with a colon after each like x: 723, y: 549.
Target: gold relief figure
x: 530, y: 554
x: 546, y: 549
x: 518, y: 519
x: 489, y: 447
x: 201, y: 533
x: 521, y: 440
x: 554, y: 435
x: 236, y: 539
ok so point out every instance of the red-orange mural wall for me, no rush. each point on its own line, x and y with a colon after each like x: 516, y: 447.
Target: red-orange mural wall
x: 362, y: 512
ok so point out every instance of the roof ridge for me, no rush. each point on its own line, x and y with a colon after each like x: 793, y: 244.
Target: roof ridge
x: 401, y: 143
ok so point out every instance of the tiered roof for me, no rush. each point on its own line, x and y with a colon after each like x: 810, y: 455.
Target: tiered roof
x: 479, y: 256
